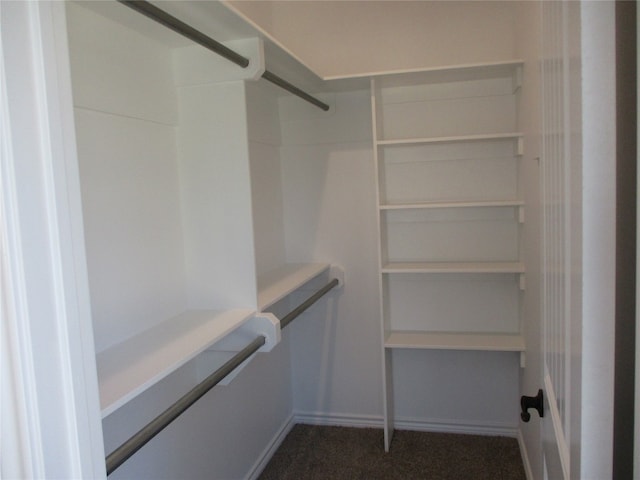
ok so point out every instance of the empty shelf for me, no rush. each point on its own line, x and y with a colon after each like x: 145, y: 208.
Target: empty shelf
x: 277, y: 284
x: 129, y: 368
x: 453, y: 267
x: 452, y: 204
x: 461, y: 138
x: 455, y: 341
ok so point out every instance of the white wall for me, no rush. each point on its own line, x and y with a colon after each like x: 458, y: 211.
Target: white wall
x: 598, y: 144
x: 129, y: 176
x: 329, y: 195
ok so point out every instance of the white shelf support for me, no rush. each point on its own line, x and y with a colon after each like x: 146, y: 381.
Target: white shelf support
x: 522, y: 282
x: 517, y: 79
x: 336, y: 271
x: 264, y: 324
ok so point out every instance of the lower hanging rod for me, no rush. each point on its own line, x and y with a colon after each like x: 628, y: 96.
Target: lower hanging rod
x: 154, y: 13
x: 155, y: 426
x: 286, y: 320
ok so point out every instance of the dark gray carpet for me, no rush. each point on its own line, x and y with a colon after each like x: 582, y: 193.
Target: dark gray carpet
x: 336, y: 453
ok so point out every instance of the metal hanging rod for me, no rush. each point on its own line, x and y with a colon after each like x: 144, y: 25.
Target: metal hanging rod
x: 155, y: 426
x: 282, y: 83
x: 186, y: 30
x: 307, y: 303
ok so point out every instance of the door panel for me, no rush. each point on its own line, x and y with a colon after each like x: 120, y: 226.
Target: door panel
x: 561, y: 236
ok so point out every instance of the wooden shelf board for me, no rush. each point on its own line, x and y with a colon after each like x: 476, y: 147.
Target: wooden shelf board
x: 455, y: 341
x: 129, y: 368
x: 452, y: 204
x: 461, y: 138
x: 396, y: 78
x: 453, y: 267
x: 277, y: 284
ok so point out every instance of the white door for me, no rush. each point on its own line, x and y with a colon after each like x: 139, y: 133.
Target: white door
x: 578, y: 237
x: 560, y: 240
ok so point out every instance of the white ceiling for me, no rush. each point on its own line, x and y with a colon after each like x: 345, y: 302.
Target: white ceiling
x: 349, y: 38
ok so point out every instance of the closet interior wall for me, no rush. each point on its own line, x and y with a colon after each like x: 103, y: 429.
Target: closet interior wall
x: 330, y: 200
x: 329, y: 191
x: 168, y: 197
x: 286, y: 183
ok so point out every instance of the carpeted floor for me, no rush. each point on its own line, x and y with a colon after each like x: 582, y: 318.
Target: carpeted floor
x: 341, y: 453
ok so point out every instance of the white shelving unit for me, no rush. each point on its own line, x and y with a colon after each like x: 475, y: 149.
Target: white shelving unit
x: 129, y: 368
x: 453, y: 267
x: 276, y: 284
x: 447, y: 150
x: 166, y: 192
x: 455, y: 341
x: 459, y: 204
x: 452, y: 139
x: 182, y: 206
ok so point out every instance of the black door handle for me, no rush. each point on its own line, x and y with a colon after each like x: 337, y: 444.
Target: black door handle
x: 536, y: 402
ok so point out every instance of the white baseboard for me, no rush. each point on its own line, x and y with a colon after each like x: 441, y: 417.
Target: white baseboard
x: 271, y: 448
x: 339, y: 420
x: 525, y: 456
x: 437, y: 425
x: 453, y: 426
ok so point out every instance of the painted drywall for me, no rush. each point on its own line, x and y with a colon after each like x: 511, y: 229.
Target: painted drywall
x: 350, y: 38
x: 597, y: 109
x: 329, y: 197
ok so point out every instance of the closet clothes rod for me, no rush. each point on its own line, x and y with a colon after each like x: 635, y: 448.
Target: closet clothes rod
x: 286, y: 320
x: 151, y: 11
x: 155, y: 426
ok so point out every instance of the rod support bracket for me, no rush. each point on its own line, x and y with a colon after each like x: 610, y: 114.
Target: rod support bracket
x: 336, y: 271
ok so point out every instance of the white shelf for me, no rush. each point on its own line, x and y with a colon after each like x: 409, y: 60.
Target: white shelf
x: 455, y: 341
x: 461, y: 138
x: 439, y: 74
x: 453, y: 267
x: 277, y: 284
x: 458, y: 204
x: 129, y: 368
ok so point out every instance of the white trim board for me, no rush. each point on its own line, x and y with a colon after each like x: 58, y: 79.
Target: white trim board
x: 407, y: 423
x: 525, y: 456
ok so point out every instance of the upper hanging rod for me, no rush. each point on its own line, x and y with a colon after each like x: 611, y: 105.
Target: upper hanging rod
x: 171, y: 22
x: 155, y: 426
x: 307, y: 303
x: 282, y: 83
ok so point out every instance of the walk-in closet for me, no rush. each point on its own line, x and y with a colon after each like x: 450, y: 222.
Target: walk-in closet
x: 324, y: 213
